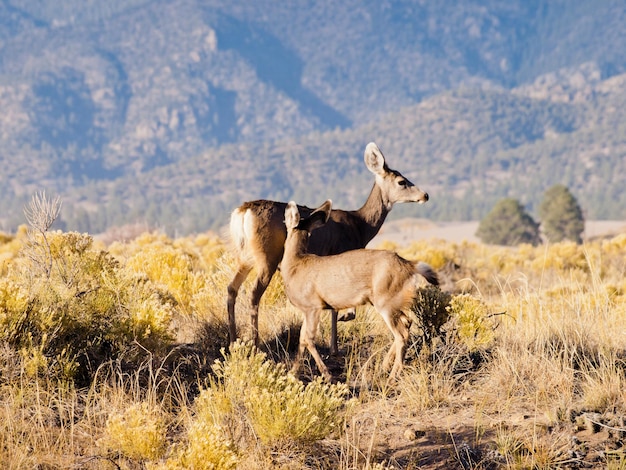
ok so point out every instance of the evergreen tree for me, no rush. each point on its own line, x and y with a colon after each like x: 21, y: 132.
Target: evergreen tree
x: 561, y: 216
x: 508, y: 223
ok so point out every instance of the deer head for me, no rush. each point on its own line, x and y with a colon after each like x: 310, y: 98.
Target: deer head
x: 393, y: 185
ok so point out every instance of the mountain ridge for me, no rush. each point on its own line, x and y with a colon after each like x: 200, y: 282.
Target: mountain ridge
x: 175, y: 111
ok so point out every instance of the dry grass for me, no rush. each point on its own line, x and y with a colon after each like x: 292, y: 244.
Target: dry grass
x: 529, y: 372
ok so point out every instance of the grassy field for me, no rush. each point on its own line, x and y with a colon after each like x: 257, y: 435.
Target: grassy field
x: 114, y: 356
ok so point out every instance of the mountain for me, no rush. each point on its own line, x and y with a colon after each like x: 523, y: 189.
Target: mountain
x: 173, y: 112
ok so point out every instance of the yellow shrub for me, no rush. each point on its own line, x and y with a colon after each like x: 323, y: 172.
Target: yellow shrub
x: 209, y: 247
x: 471, y: 325
x: 177, y: 266
x: 562, y: 256
x: 34, y: 360
x: 138, y: 433
x: 291, y: 411
x: 387, y: 245
x: 207, y: 449
x: 613, y: 256
x: 9, y: 251
x: 279, y: 407
x: 72, y: 307
x: 150, y: 311
x: 13, y: 298
x: 434, y: 252
x: 615, y: 245
x: 167, y: 265
x: 209, y: 302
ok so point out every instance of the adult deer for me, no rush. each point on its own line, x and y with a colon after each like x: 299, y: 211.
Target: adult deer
x: 258, y: 233
x: 378, y: 277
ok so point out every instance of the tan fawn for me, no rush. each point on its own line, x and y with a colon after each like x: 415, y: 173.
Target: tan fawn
x: 257, y: 233
x: 314, y: 283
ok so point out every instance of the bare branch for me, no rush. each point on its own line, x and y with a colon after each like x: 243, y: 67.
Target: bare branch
x: 41, y: 212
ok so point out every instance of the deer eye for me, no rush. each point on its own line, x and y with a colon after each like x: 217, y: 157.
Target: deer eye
x: 402, y: 183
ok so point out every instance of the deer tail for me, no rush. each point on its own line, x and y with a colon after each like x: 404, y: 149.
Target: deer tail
x: 428, y: 273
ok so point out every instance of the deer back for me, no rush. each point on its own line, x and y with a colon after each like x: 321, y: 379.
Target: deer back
x: 257, y: 229
x: 350, y: 279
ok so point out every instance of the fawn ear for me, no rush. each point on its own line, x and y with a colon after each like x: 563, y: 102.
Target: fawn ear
x: 292, y: 215
x: 374, y: 159
x: 318, y: 217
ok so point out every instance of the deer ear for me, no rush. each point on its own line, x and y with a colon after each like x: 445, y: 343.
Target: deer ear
x: 325, y: 209
x: 374, y: 159
x: 319, y: 216
x: 292, y: 215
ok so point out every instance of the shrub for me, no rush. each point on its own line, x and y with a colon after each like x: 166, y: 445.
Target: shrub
x: 138, y: 433
x: 280, y: 409
x: 508, y: 223
x: 436, y: 253
x: 9, y: 250
x: 469, y: 322
x: 561, y: 216
x: 431, y: 311
x: 69, y: 307
x: 167, y: 265
x: 289, y: 411
x: 207, y: 448
x: 562, y: 256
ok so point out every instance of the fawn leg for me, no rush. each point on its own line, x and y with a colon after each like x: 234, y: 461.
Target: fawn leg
x: 307, y: 341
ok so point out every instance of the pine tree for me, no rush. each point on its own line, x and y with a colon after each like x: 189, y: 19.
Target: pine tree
x: 508, y: 223
x: 561, y: 216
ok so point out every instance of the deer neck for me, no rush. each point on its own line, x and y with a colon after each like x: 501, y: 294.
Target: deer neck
x: 373, y: 213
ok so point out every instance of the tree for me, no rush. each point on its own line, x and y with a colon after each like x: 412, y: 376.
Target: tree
x: 508, y: 223
x: 561, y: 216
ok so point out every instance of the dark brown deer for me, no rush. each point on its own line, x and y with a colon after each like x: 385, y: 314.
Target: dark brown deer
x: 258, y: 233
x: 314, y: 283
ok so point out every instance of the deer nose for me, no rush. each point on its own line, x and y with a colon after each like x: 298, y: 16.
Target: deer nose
x: 426, y: 197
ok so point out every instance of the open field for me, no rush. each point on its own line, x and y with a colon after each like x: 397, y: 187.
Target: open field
x: 404, y: 231
x: 109, y: 350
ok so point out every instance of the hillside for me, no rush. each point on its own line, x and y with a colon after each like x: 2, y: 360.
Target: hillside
x: 173, y: 112
x: 467, y: 149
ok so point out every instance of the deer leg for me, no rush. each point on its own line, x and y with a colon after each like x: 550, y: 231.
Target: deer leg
x: 399, y: 325
x: 307, y: 341
x: 334, y: 349
x: 391, y: 354
x: 400, y: 350
x: 401, y: 339
x: 346, y: 315
x: 233, y: 290
x: 302, y: 346
x: 262, y: 281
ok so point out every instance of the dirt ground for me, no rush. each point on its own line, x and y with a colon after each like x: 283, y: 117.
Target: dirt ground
x: 462, y: 438
x: 469, y: 434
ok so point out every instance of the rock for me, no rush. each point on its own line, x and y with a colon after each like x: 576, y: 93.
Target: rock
x: 413, y: 434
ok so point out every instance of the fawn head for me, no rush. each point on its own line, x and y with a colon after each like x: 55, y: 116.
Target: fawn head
x: 318, y: 217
